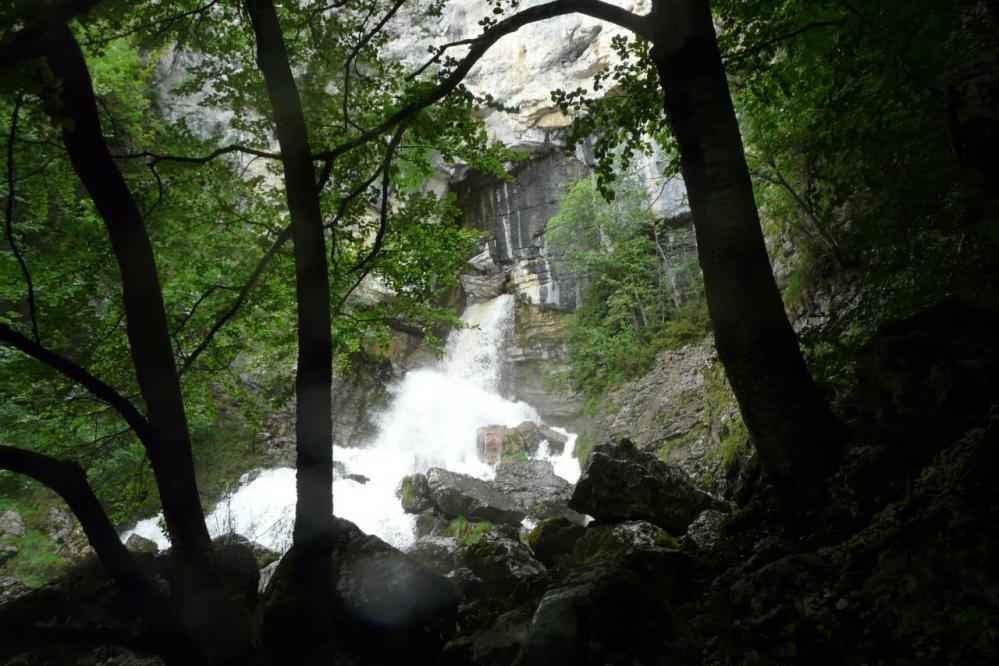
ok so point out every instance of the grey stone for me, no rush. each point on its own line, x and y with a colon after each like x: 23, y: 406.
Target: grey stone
x: 414, y: 492
x: 462, y: 495
x: 11, y: 524
x: 140, y: 544
x: 554, y: 538
x: 534, y: 486
x: 501, y: 561
x: 436, y: 553
x: 621, y: 483
x: 7, y: 553
x: 704, y: 531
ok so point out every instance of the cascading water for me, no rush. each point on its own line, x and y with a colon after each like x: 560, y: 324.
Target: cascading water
x: 431, y: 421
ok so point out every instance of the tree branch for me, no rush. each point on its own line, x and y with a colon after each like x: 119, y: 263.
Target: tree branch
x: 136, y: 421
x: 69, y: 481
x: 156, y: 158
x: 9, y: 218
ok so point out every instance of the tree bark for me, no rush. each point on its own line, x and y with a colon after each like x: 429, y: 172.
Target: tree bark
x: 146, y: 323
x: 798, y: 438
x: 313, y: 384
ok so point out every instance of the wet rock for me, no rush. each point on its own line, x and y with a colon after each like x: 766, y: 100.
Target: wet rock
x: 390, y: 609
x: 502, y: 562
x: 140, y: 544
x: 496, y: 644
x: 553, y: 539
x: 462, y: 495
x: 600, y: 615
x: 7, y: 553
x: 485, y: 281
x: 357, y: 478
x: 493, y: 443
x: 602, y: 543
x: 436, y: 553
x: 266, y: 574
x: 415, y: 494
x: 534, y: 486
x: 430, y: 523
x: 11, y: 524
x: 621, y: 483
x: 262, y: 554
x: 534, y: 434
x: 704, y: 531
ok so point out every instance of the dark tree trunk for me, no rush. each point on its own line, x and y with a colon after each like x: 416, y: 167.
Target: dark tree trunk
x: 145, y: 316
x: 68, y: 480
x: 313, y: 383
x: 798, y: 438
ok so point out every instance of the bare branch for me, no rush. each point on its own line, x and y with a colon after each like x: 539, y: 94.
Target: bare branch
x: 156, y: 158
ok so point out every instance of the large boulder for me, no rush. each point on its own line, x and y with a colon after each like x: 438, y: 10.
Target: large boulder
x: 602, y: 543
x: 502, y: 562
x: 388, y: 608
x: 437, y: 553
x: 534, y: 486
x: 463, y: 495
x: 11, y: 524
x: 137, y: 543
x: 621, y: 482
x: 554, y: 538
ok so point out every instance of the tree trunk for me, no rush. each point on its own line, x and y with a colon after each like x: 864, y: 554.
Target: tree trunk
x: 148, y: 334
x: 68, y: 480
x: 313, y: 384
x: 798, y: 438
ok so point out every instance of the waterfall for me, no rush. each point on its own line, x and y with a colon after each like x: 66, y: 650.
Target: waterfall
x: 431, y: 420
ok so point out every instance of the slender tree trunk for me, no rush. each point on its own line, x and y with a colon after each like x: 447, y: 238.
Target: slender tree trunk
x: 145, y: 316
x: 313, y: 384
x: 798, y: 438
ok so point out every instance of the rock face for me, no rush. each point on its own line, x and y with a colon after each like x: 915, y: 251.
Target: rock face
x: 533, y: 486
x: 11, y: 524
x: 621, y: 483
x: 682, y: 409
x: 462, y: 495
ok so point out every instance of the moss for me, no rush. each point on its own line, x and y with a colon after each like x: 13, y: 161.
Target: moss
x: 519, y: 456
x: 468, y: 532
x: 37, y: 560
x: 514, y: 444
x: 601, y: 544
x: 584, y: 446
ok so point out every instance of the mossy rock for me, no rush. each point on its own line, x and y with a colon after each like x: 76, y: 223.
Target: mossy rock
x: 603, y: 543
x: 554, y: 538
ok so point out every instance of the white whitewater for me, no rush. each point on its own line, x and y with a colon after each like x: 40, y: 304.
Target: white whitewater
x: 431, y: 421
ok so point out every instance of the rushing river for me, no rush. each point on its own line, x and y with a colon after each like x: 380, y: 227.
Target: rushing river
x: 431, y: 421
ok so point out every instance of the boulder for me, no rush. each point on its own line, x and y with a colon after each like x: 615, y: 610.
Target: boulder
x: 486, y: 280
x: 533, y: 486
x: 11, y: 524
x: 502, y: 562
x: 495, y: 442
x: 415, y: 494
x: 389, y: 608
x: 554, y: 538
x: 534, y: 434
x: 140, y: 544
x: 621, y: 482
x: 706, y: 528
x: 462, y: 495
x: 602, y: 543
x: 600, y: 615
x: 437, y: 553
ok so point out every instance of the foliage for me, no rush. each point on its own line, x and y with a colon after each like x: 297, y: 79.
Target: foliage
x: 633, y: 307
x: 177, y: 81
